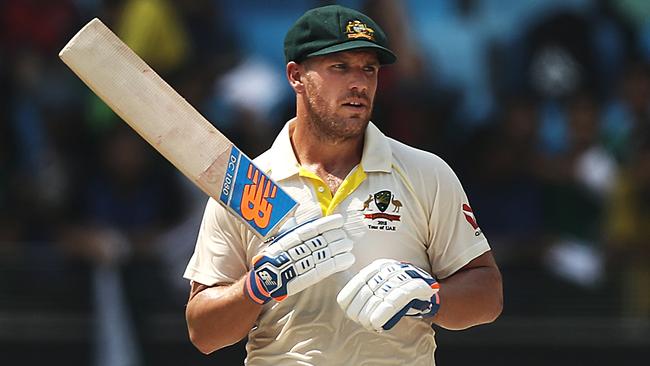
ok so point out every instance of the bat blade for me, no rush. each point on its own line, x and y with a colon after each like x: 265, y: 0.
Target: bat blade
x: 172, y: 126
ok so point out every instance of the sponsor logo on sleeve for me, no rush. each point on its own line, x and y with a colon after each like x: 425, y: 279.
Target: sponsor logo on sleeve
x: 471, y: 219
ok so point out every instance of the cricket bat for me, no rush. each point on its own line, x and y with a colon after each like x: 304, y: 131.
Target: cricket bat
x: 173, y: 127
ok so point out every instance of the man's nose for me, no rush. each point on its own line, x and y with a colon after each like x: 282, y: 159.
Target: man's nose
x: 359, y: 80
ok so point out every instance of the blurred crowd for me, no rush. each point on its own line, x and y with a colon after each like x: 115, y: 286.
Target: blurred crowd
x: 541, y: 107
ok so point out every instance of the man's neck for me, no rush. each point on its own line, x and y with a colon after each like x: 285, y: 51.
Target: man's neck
x: 331, y: 160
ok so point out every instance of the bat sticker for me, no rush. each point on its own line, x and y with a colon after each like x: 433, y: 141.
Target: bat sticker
x: 252, y: 195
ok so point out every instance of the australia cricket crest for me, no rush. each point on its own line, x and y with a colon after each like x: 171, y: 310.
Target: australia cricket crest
x: 381, y: 211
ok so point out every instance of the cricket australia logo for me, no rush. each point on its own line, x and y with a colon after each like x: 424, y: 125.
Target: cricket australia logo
x: 381, y: 211
x: 355, y: 29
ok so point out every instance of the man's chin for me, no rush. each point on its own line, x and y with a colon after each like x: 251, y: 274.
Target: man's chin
x: 341, y: 126
x: 354, y: 126
x: 356, y: 118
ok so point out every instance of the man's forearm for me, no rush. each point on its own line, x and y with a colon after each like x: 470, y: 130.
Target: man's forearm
x: 470, y: 297
x: 220, y: 316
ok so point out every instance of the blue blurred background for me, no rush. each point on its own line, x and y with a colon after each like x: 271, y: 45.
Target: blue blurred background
x: 541, y: 107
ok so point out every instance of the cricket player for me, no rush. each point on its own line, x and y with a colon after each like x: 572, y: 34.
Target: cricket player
x: 316, y: 294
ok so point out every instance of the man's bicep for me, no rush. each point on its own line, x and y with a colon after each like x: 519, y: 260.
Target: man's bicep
x: 195, y: 288
x: 485, y: 260
x: 488, y: 268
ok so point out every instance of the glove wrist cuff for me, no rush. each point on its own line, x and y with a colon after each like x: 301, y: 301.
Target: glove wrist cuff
x: 254, y: 290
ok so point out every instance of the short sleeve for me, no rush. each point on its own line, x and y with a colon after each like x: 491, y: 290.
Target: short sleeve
x: 220, y: 255
x: 454, y: 235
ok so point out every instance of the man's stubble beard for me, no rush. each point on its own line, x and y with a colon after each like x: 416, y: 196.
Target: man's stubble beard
x: 329, y: 127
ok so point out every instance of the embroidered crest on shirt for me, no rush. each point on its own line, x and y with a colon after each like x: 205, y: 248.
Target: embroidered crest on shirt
x: 381, y: 210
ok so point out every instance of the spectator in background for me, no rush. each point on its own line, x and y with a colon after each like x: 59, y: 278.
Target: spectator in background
x: 627, y: 115
x: 119, y: 213
x: 124, y: 191
x: 35, y: 128
x: 560, y: 61
x: 426, y: 110
x: 595, y: 168
x: 501, y: 161
x: 31, y: 31
x: 637, y: 15
x: 627, y: 227
x: 408, y: 91
x: 578, y: 180
x: 250, y: 97
x: 153, y: 30
x: 456, y: 47
x: 500, y: 165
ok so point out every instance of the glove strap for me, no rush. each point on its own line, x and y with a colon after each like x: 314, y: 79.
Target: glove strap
x: 254, y: 290
x: 435, y: 306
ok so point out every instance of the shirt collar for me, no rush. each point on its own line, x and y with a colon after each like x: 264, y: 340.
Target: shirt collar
x: 284, y: 163
x: 377, y: 156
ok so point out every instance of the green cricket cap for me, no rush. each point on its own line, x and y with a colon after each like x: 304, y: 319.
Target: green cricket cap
x: 334, y: 28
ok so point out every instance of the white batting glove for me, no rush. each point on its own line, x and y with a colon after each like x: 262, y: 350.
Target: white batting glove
x: 299, y: 258
x: 385, y: 291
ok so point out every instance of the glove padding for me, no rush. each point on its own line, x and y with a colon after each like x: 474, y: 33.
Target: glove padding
x: 385, y: 291
x: 299, y: 258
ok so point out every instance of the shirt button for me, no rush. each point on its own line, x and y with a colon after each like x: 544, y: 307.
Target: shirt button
x: 321, y: 189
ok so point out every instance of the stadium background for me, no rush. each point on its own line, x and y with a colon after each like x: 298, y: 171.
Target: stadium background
x: 542, y: 108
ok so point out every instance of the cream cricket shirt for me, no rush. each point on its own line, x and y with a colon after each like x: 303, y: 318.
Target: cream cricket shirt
x: 416, y: 211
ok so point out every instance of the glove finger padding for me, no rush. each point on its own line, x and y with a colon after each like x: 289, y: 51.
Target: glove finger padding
x: 306, y: 231
x: 299, y: 258
x: 385, y: 291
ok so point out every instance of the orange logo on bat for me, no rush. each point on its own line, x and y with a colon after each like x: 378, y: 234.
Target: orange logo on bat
x: 254, y: 203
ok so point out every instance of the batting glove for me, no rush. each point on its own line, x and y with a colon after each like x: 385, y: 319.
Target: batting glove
x: 385, y: 291
x: 299, y: 258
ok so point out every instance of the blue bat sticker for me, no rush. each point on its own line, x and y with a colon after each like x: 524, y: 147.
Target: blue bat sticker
x: 251, y: 194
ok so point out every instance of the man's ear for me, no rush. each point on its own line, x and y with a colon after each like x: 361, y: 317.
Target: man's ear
x: 294, y: 75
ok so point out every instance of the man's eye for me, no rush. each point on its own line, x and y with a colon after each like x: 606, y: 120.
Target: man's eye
x: 371, y: 69
x: 339, y: 66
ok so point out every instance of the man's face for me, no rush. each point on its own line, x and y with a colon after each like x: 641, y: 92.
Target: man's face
x: 339, y: 91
